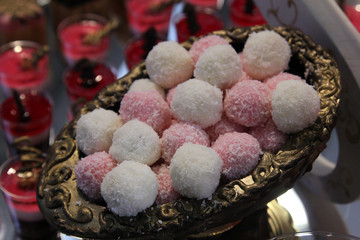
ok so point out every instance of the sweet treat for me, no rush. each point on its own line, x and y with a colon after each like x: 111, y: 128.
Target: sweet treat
x: 135, y: 141
x: 195, y: 170
x: 145, y: 84
x: 169, y: 64
x: 170, y: 95
x: 95, y: 129
x: 274, y: 80
x: 219, y: 65
x: 167, y: 192
x: 240, y: 153
x: 203, y: 43
x: 266, y: 53
x: 248, y: 103
x: 270, y: 138
x: 295, y: 105
x: 198, y: 102
x: 178, y: 134
x: 129, y: 188
x: 90, y: 172
x: 148, y: 107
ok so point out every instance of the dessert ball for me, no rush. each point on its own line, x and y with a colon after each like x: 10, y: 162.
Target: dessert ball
x: 169, y: 64
x: 295, y: 105
x: 199, y: 46
x: 167, y: 192
x: 219, y: 65
x: 178, y: 134
x: 90, y: 172
x: 197, y: 102
x: 240, y: 153
x: 265, y: 53
x: 269, y: 136
x: 129, y: 188
x: 145, y: 84
x: 274, y: 80
x: 248, y: 103
x: 95, y: 129
x: 195, y: 170
x: 170, y: 95
x: 148, y: 107
x: 135, y: 141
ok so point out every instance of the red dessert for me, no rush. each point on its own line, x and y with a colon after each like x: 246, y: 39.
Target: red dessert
x: 353, y: 13
x: 244, y: 13
x: 204, y: 3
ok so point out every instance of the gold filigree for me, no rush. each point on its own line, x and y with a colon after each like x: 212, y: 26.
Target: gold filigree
x: 276, y: 173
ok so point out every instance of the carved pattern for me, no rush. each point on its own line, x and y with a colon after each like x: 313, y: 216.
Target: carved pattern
x: 274, y: 175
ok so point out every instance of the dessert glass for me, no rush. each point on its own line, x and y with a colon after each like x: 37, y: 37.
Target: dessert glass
x: 244, y: 13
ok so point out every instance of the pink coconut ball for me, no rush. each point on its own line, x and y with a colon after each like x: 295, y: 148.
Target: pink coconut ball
x: 170, y: 95
x: 148, y: 107
x: 248, y: 103
x: 269, y: 136
x: 90, y: 172
x: 223, y: 126
x: 178, y: 134
x: 198, y: 47
x: 240, y: 153
x: 283, y: 76
x: 167, y: 192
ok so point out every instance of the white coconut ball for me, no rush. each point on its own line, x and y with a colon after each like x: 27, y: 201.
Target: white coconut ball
x: 295, y: 105
x: 129, y: 188
x: 195, y: 170
x: 265, y: 54
x: 169, y: 64
x: 219, y: 65
x: 136, y: 141
x: 95, y: 129
x: 198, y: 102
x: 145, y: 84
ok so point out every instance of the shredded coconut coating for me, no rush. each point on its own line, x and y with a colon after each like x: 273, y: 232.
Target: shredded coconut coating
x: 145, y: 84
x: 269, y: 136
x: 240, y: 153
x: 199, y: 46
x: 195, y: 170
x: 90, y: 172
x: 148, y: 107
x: 295, y: 106
x: 283, y: 76
x: 219, y: 65
x: 129, y: 188
x: 167, y: 192
x: 197, y: 102
x: 170, y: 95
x: 248, y: 103
x: 178, y: 134
x: 169, y: 64
x: 136, y: 141
x: 95, y: 129
x: 265, y: 53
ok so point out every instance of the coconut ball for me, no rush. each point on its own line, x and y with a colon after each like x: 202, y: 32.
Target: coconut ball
x: 195, y: 170
x: 197, y: 102
x: 95, y: 129
x: 178, y: 134
x: 129, y: 188
x: 136, y: 141
x: 219, y: 65
x: 248, y: 103
x: 169, y: 64
x: 145, y: 84
x: 240, y: 153
x: 148, y: 107
x: 167, y: 192
x: 295, y: 105
x: 90, y: 172
x: 283, y: 76
x: 170, y: 95
x: 265, y: 53
x: 199, y: 46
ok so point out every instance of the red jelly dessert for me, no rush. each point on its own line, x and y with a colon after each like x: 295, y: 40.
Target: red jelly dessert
x: 72, y: 32
x: 86, y: 79
x: 12, y: 73
x: 353, y: 13
x: 244, y: 13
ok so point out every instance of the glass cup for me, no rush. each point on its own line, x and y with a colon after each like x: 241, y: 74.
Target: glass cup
x: 244, y: 13
x: 72, y: 33
x: 15, y: 74
x: 18, y: 183
x: 26, y: 120
x: 314, y: 235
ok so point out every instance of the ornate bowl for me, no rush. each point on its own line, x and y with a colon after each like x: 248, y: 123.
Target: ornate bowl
x: 67, y: 209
